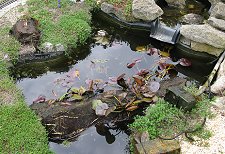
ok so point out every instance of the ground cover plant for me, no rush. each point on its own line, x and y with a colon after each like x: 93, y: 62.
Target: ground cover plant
x: 65, y: 22
x: 166, y: 121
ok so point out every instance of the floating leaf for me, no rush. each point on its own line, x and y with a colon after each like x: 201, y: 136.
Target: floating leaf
x: 143, y: 72
x: 40, y: 99
x: 82, y: 90
x: 110, y: 110
x: 75, y: 90
x: 63, y: 96
x: 184, y: 62
x: 138, y: 60
x: 76, y: 97
x: 51, y: 101
x: 95, y: 103
x: 152, y: 51
x: 121, y: 81
x: 131, y: 65
x: 147, y: 100
x: 77, y: 74
x: 164, y: 54
x: 139, y: 80
x: 101, y: 109
x: 141, y: 48
x: 154, y: 86
x: 132, y: 108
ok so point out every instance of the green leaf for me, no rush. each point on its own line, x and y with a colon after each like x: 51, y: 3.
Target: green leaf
x: 96, y: 103
x: 63, y: 96
x: 77, y: 97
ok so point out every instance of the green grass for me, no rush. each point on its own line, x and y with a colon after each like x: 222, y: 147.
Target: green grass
x: 68, y: 25
x: 165, y: 120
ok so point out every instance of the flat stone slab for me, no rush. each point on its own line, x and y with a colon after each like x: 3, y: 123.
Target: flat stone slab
x: 180, y: 98
x: 158, y: 146
x: 204, y: 34
x: 217, y: 23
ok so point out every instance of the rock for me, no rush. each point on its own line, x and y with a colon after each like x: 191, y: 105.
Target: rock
x: 219, y: 86
x: 165, y: 84
x: 146, y: 10
x: 176, y: 3
x: 25, y: 31
x: 158, y: 146
x: 204, y: 34
x: 185, y: 41
x: 219, y: 103
x: 47, y: 47
x: 217, y: 23
x: 202, y: 47
x: 107, y: 8
x: 59, y: 47
x: 27, y: 49
x: 218, y: 11
x: 192, y: 19
x: 180, y: 98
x: 221, y: 71
x: 213, y: 3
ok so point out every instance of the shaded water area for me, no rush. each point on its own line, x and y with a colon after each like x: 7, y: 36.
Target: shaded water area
x: 96, y: 61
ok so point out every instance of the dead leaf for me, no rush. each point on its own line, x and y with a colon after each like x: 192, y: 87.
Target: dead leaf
x: 122, y: 82
x: 76, y: 97
x: 143, y: 72
x: 53, y: 92
x: 184, y: 62
x: 139, y: 80
x: 77, y: 74
x: 132, y: 108
x: 40, y: 99
x: 141, y: 48
x: 65, y: 104
x: 164, y: 54
x: 110, y: 110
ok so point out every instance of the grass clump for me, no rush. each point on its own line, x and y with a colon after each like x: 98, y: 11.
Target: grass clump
x: 68, y: 25
x: 8, y: 44
x: 164, y: 120
x: 125, y: 5
x: 20, y: 131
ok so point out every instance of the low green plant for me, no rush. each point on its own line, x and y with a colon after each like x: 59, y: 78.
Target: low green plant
x: 164, y: 120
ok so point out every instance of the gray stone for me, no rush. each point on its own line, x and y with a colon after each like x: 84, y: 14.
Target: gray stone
x: 192, y: 19
x: 47, y: 47
x: 158, y: 146
x: 204, y: 34
x: 180, y: 98
x: 185, y: 41
x: 217, y: 23
x: 202, y: 47
x: 219, y: 86
x: 146, y: 10
x: 221, y: 71
x: 27, y: 49
x: 107, y: 8
x: 213, y: 3
x: 176, y: 3
x: 59, y: 47
x: 218, y: 11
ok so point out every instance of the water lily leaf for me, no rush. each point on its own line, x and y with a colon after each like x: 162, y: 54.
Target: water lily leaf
x: 154, y: 86
x: 121, y: 81
x: 132, y: 108
x: 147, y: 100
x: 75, y: 90
x: 152, y: 51
x: 82, y: 90
x: 137, y: 102
x: 141, y: 48
x: 131, y: 65
x: 40, y: 99
x: 77, y: 97
x: 109, y: 110
x: 149, y: 94
x: 184, y: 62
x: 164, y: 54
x: 101, y: 109
x: 95, y: 103
x: 63, y: 97
x: 143, y: 72
x: 139, y: 80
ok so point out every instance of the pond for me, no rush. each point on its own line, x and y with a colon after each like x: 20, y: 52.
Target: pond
x: 95, y: 61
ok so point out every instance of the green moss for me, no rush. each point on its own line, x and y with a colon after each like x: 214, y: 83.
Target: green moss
x: 20, y: 131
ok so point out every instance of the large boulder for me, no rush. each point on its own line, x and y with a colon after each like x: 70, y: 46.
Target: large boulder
x: 202, y: 47
x: 146, y: 10
x: 214, y: 2
x: 217, y: 23
x: 204, y: 34
x: 192, y: 18
x: 218, y: 11
x: 176, y: 3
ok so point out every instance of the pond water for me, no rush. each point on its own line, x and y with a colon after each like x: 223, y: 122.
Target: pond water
x: 89, y: 62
